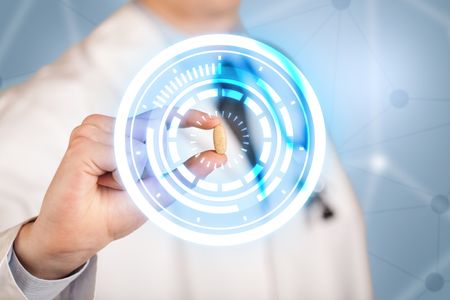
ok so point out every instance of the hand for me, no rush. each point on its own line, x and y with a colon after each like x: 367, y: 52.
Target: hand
x: 85, y: 208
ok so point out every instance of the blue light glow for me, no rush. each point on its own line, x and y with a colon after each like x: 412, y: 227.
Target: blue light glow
x: 241, y: 201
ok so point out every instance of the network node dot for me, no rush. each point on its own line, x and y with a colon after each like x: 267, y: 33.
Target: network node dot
x: 341, y: 4
x: 439, y: 204
x: 399, y: 98
x: 434, y: 282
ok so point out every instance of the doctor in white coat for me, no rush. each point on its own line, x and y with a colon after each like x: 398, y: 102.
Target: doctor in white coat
x: 311, y: 257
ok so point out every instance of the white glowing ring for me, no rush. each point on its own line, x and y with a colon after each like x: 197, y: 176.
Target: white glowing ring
x: 318, y: 132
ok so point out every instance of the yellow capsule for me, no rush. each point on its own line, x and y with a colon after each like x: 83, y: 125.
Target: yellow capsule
x: 220, y: 139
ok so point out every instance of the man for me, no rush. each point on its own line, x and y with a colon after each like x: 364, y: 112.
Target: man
x: 309, y: 258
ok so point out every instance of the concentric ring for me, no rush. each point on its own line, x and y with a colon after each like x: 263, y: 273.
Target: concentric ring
x: 262, y: 186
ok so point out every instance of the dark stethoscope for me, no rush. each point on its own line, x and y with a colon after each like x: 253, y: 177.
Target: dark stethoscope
x: 238, y: 108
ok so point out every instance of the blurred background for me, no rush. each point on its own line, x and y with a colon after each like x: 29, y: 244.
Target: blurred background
x: 381, y: 70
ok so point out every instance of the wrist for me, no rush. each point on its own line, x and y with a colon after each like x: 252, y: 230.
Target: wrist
x: 43, y: 259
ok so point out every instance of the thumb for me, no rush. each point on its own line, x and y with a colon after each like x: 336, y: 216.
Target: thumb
x: 200, y: 166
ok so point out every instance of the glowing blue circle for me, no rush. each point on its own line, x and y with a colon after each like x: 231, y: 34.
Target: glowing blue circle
x: 286, y: 117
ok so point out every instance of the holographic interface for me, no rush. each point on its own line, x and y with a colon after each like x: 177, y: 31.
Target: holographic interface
x: 273, y: 122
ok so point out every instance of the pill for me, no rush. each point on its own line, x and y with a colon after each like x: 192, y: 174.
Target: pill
x: 220, y: 139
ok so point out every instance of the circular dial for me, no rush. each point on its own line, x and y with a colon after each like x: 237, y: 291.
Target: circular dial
x: 272, y: 118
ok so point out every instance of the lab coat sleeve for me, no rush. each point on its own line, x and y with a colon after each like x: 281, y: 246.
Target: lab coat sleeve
x: 78, y: 286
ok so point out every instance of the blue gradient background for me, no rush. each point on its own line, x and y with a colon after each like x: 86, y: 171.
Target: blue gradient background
x: 381, y: 70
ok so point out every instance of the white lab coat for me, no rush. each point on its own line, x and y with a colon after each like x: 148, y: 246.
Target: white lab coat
x: 309, y: 258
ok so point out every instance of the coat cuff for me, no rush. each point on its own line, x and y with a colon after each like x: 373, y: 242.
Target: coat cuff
x: 37, y: 288
x: 13, y: 277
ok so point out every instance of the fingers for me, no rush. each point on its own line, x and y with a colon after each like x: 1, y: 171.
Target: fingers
x: 98, y: 128
x: 91, y: 146
x: 109, y: 180
x: 104, y: 123
x: 200, y: 166
x: 198, y: 119
x: 88, y: 138
x: 203, y: 164
x: 139, y: 128
x: 91, y: 157
x: 192, y: 118
x: 94, y: 133
x: 139, y: 157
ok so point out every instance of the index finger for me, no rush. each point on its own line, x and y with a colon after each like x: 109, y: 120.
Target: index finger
x: 199, y: 119
x: 192, y: 118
